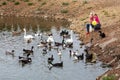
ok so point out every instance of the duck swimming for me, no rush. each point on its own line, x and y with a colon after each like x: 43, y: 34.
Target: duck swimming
x: 50, y: 59
x: 26, y: 51
x: 60, y: 64
x: 27, y: 37
x: 10, y: 53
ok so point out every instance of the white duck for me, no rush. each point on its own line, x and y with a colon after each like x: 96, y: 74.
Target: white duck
x: 38, y: 32
x: 70, y: 40
x: 50, y: 39
x: 59, y: 53
x: 27, y: 37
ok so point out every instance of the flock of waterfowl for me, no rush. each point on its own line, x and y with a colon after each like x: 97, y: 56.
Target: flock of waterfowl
x: 49, y: 43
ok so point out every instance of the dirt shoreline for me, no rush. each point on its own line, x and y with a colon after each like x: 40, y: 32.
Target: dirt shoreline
x: 107, y: 49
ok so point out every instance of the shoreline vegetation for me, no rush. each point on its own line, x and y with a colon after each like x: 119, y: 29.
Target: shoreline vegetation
x: 77, y: 12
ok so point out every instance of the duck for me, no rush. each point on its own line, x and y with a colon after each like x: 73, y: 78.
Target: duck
x: 64, y: 32
x: 59, y: 53
x: 70, y: 40
x: 102, y: 34
x: 16, y: 33
x: 81, y: 43
x: 26, y: 51
x: 27, y: 37
x: 25, y: 60
x: 58, y: 44
x: 44, y: 51
x: 38, y: 32
x: 10, y: 53
x: 60, y: 64
x: 50, y: 59
x: 71, y: 53
x: 88, y: 56
x: 50, y: 39
x: 79, y: 57
x: 42, y: 44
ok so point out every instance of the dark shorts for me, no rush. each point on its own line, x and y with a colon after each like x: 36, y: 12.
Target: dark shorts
x: 97, y: 27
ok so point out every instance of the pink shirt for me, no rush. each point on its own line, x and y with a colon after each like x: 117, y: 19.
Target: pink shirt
x: 96, y: 19
x: 91, y: 19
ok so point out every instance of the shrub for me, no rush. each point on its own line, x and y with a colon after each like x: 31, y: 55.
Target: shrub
x: 26, y: 0
x: 43, y: 3
x: 17, y: 3
x: 82, y: 19
x: 30, y: 3
x: 4, y: 3
x: 89, y: 7
x: 74, y: 0
x: 65, y: 3
x: 12, y: 0
x: 106, y: 13
x: 64, y: 11
x: 85, y: 2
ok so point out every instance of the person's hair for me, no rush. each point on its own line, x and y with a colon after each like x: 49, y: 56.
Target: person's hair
x: 95, y: 14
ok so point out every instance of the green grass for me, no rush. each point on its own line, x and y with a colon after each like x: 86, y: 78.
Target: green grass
x: 110, y: 77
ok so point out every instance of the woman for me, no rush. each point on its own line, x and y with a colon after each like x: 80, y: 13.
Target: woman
x: 97, y: 26
x: 91, y: 18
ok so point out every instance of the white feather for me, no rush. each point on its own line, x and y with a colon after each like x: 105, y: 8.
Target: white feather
x: 59, y: 53
x: 71, y: 39
x: 27, y: 37
x: 50, y: 39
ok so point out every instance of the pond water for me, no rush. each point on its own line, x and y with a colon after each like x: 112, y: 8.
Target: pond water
x: 10, y: 69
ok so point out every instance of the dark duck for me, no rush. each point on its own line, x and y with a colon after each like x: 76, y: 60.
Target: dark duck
x: 50, y: 59
x: 26, y: 51
x: 102, y: 34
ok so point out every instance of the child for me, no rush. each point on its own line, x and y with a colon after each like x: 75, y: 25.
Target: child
x: 98, y: 25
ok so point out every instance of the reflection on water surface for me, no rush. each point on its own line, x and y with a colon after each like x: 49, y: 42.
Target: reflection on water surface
x: 10, y: 69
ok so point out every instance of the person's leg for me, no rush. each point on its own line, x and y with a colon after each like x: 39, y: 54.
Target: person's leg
x: 97, y: 27
x: 87, y: 28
